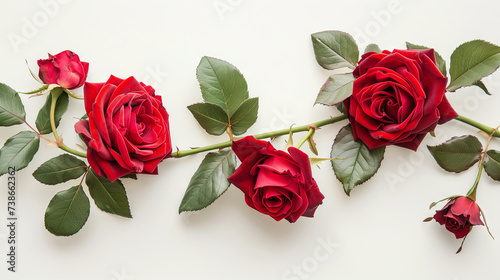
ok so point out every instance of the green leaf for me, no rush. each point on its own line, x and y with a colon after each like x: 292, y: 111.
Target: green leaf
x: 109, y: 196
x: 373, y: 48
x: 472, y: 61
x: 222, y: 84
x: 209, y: 182
x: 342, y: 109
x: 43, y: 119
x: 440, y: 62
x: 337, y: 88
x: 67, y: 212
x: 458, y: 153
x: 18, y: 151
x: 335, y: 49
x: 129, y: 176
x: 245, y: 116
x: 60, y: 169
x: 481, y: 85
x: 492, y: 164
x: 354, y: 163
x: 11, y: 107
x: 210, y: 116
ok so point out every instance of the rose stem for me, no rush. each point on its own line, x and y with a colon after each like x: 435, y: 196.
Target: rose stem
x: 304, y: 139
x: 472, y: 191
x: 270, y: 134
x: 55, y: 95
x: 487, y: 129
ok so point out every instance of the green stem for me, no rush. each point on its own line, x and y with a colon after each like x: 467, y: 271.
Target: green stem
x: 487, y: 129
x: 55, y: 95
x: 304, y: 139
x: 270, y: 134
x: 472, y: 191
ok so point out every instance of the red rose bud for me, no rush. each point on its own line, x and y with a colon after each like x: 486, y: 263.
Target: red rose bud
x: 127, y: 131
x: 64, y: 69
x: 274, y: 182
x: 459, y: 216
x: 398, y: 97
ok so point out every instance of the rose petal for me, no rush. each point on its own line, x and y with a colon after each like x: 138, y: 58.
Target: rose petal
x: 468, y: 208
x: 247, y: 146
x: 241, y: 178
x: 460, y: 232
x: 268, y: 178
x: 446, y: 111
x: 90, y: 91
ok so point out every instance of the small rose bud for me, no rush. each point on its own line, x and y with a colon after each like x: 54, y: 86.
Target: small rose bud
x: 459, y: 216
x: 64, y: 69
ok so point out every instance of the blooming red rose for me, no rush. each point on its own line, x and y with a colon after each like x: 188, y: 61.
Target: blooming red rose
x: 398, y: 97
x: 127, y: 130
x: 64, y: 69
x: 459, y: 215
x: 274, y: 182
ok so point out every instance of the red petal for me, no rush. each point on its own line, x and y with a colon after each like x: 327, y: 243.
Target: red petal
x: 90, y: 91
x: 246, y: 146
x: 446, y: 111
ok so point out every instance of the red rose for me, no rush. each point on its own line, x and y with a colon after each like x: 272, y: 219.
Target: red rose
x: 459, y: 215
x: 127, y: 130
x: 274, y: 182
x: 398, y: 97
x: 64, y: 69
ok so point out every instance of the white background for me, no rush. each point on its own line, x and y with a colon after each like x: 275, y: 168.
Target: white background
x: 377, y: 233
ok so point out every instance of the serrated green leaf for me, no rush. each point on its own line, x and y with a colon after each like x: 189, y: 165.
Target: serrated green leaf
x: 211, y: 117
x: 373, y: 48
x: 60, y: 169
x: 335, y: 49
x: 109, y: 196
x: 11, y: 107
x: 354, y: 162
x: 222, y: 84
x: 458, y: 153
x: 481, y: 85
x: 472, y: 61
x: 43, y: 119
x: 440, y: 62
x: 209, y: 182
x: 245, y: 116
x: 18, y: 151
x: 67, y: 212
x: 337, y: 88
x: 492, y: 164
